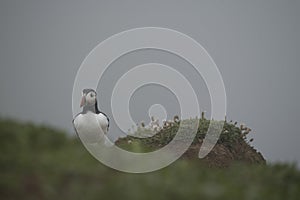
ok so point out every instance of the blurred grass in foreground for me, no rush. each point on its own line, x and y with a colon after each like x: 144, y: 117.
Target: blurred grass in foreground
x: 38, y: 162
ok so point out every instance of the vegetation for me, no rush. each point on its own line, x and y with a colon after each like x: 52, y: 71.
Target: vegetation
x: 38, y: 162
x: 233, y: 144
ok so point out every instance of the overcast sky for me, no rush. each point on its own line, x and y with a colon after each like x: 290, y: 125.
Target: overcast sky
x: 255, y: 45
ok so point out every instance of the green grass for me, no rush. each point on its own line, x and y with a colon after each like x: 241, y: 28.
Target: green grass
x: 232, y: 142
x: 230, y: 134
x: 38, y: 162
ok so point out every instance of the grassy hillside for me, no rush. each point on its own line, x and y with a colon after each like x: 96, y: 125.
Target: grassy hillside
x: 38, y: 162
x: 232, y: 146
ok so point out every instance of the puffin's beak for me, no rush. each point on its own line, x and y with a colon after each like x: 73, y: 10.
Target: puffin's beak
x: 82, y: 103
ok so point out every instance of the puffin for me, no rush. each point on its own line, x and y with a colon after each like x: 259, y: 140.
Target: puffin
x: 91, y: 125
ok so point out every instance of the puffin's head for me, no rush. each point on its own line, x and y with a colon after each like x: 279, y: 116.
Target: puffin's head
x: 89, y: 97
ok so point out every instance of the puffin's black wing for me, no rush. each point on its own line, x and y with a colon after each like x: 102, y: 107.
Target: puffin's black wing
x: 74, y: 124
x: 106, y: 118
x: 97, y: 111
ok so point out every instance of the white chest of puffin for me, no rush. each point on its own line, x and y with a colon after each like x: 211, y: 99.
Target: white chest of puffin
x: 91, y: 125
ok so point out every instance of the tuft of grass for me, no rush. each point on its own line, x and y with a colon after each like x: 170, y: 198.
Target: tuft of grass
x: 230, y: 134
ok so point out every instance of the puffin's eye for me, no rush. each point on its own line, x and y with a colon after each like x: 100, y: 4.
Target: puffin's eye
x: 91, y: 95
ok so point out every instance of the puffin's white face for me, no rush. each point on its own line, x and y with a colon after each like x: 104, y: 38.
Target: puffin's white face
x: 88, y: 99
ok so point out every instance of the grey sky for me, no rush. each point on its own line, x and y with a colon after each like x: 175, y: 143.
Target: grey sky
x: 255, y: 44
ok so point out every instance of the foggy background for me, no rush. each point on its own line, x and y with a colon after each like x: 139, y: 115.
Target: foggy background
x: 255, y: 45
